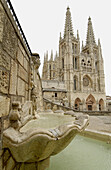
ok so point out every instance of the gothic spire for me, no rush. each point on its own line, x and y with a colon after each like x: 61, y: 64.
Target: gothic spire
x: 90, y: 34
x: 51, y: 57
x: 68, y: 24
x: 99, y: 48
x: 46, y: 56
x: 60, y: 37
x: 77, y: 34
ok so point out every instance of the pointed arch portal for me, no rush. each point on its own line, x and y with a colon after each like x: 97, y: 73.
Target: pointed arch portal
x: 91, y: 102
x: 101, y: 104
x: 77, y: 103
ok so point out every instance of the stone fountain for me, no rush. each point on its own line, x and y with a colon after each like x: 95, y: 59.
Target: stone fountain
x: 32, y: 139
x: 29, y: 135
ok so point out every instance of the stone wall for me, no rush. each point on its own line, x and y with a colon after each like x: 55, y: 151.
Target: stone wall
x: 47, y: 84
x: 14, y: 59
x: 54, y: 90
x: 17, y: 63
x: 18, y: 67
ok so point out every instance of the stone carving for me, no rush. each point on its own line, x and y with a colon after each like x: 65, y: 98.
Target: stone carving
x: 34, y: 99
x: 82, y: 72
x: 21, y: 114
x: 36, y: 60
x: 85, y: 81
x: 4, y: 81
x: 34, y: 143
x: 14, y: 116
x: 29, y: 140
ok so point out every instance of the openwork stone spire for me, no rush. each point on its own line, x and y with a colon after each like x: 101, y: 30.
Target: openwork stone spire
x: 68, y: 24
x: 90, y: 34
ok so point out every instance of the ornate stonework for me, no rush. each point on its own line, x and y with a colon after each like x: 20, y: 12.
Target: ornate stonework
x: 85, y: 81
x: 81, y: 71
x: 4, y: 81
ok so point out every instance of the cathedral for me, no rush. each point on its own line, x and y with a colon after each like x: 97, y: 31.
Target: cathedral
x: 75, y: 77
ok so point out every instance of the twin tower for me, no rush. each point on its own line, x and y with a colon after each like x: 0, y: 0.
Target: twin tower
x: 76, y: 74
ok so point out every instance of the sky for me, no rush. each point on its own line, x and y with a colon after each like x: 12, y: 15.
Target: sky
x: 43, y: 20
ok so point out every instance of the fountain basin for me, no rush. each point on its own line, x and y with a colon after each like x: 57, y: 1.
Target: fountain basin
x: 41, y: 138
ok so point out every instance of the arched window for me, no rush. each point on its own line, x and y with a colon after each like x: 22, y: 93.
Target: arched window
x: 63, y: 49
x: 101, y: 104
x: 96, y: 68
x: 77, y: 103
x: 75, y: 48
x: 99, y: 85
x: 88, y: 52
x: 72, y: 48
x: 62, y: 62
x: 75, y: 63
x: 53, y: 75
x: 50, y: 70
x: 75, y: 83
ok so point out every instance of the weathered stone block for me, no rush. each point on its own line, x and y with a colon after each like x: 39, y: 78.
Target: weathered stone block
x: 13, y: 77
x: 9, y: 38
x: 1, y: 22
x: 26, y: 95
x: 23, y: 100
x: 4, y: 106
x: 20, y: 56
x: 16, y: 98
x: 21, y: 87
x: 25, y: 64
x: 26, y: 87
x: 6, y: 124
x: 4, y: 60
x: 21, y: 48
x: 4, y: 81
x: 22, y: 73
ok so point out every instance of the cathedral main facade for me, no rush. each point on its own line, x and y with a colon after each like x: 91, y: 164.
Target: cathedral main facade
x: 75, y: 76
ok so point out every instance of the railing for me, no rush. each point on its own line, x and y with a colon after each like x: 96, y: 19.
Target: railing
x: 18, y: 25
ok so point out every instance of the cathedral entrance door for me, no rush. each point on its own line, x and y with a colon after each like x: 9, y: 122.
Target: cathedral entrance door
x: 90, y: 107
x: 90, y: 103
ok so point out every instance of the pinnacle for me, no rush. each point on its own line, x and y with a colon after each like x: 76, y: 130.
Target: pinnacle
x: 89, y: 18
x: 90, y: 33
x: 68, y: 24
x: 68, y: 8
